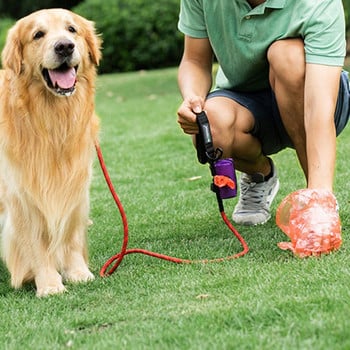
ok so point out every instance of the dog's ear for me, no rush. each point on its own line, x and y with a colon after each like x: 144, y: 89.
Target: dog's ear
x: 12, y: 52
x: 94, y: 42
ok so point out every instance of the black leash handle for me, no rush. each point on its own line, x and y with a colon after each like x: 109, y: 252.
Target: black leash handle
x: 206, y: 152
x: 204, y: 142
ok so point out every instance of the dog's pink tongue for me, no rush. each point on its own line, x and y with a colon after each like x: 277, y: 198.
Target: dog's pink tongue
x: 64, y: 79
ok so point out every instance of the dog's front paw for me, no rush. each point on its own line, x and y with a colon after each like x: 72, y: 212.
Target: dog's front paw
x: 48, y: 282
x: 45, y: 291
x: 78, y: 275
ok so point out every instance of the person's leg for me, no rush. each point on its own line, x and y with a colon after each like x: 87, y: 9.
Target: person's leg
x: 232, y: 124
x: 287, y: 79
x: 342, y: 110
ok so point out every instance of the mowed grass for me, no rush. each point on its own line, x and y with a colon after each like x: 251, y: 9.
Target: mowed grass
x: 266, y: 300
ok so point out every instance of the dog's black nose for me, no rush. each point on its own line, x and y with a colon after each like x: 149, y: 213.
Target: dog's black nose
x: 64, y: 48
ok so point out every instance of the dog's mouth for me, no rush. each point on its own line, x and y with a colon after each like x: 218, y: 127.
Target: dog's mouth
x: 62, y: 79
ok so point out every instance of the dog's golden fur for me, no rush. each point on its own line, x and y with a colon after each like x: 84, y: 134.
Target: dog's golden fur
x: 47, y: 133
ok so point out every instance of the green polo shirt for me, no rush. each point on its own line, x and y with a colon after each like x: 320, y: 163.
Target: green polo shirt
x: 240, y: 35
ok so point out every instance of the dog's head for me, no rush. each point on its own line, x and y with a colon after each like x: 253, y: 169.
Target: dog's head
x: 52, y: 46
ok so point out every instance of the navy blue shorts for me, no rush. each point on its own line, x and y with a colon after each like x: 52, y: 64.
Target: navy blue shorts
x: 268, y: 127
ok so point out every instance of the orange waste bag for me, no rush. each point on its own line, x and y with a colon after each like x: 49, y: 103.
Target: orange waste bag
x: 310, y: 219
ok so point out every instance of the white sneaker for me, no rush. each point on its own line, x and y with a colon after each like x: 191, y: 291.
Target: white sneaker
x: 256, y: 196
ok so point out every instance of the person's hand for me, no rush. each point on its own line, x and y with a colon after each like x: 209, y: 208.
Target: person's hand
x: 310, y: 218
x: 187, y: 114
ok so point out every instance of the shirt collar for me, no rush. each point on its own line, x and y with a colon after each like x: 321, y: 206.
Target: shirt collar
x: 273, y: 4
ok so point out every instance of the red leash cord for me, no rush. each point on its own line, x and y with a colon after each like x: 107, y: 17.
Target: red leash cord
x: 108, y: 269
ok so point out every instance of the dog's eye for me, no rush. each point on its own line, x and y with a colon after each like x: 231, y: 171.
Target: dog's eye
x: 38, y: 35
x: 72, y: 29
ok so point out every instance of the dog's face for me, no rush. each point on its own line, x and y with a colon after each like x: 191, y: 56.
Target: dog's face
x: 53, y: 46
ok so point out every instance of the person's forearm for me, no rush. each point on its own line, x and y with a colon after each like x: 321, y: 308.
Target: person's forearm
x: 321, y: 150
x: 193, y: 79
x: 321, y: 90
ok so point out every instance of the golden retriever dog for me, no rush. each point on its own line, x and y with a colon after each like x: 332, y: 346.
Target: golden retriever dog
x: 48, y: 129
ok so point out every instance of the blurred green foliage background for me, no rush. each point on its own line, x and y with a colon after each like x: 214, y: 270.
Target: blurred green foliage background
x: 137, y: 34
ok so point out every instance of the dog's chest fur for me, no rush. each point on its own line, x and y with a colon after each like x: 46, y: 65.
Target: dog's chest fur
x: 47, y: 156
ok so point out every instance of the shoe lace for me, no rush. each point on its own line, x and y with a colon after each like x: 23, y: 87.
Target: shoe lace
x: 252, y: 194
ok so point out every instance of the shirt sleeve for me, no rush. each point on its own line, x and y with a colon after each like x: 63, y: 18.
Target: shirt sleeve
x: 324, y: 34
x: 191, y: 19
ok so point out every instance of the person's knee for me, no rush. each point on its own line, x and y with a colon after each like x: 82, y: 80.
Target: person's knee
x: 221, y: 119
x: 222, y: 116
x: 287, y: 62
x: 228, y: 120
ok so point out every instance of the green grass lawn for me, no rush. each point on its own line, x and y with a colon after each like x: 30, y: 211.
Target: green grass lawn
x: 266, y: 300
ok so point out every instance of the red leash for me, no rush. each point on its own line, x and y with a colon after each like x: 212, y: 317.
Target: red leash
x: 108, y: 269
